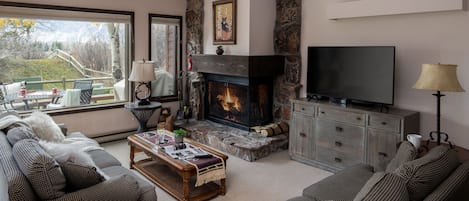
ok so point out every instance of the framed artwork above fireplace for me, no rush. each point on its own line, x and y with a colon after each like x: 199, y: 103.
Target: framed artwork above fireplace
x: 224, y: 22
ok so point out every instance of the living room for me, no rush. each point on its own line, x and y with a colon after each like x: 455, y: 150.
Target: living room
x: 418, y: 35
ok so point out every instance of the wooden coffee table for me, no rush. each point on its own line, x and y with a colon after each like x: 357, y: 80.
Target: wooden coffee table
x: 173, y: 175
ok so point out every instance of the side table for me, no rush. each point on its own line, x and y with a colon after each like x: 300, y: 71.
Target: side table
x: 142, y: 113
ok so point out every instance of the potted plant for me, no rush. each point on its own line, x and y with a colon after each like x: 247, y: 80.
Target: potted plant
x: 220, y: 50
x: 179, y: 135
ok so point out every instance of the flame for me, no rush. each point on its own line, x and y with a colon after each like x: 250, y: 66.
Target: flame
x: 228, y: 101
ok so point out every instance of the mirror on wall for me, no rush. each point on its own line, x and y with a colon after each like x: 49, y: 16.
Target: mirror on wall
x: 165, y: 51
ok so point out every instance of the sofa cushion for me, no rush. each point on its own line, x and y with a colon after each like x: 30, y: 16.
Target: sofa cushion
x: 349, y: 181
x: 103, y: 159
x: 18, y: 185
x: 383, y: 187
x: 119, y: 188
x: 44, y: 127
x: 80, y: 176
x: 42, y: 171
x: 422, y: 175
x: 146, y: 190
x: 20, y: 133
x: 3, y: 185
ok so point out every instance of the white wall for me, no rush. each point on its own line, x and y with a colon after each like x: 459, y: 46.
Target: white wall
x: 255, y: 25
x: 263, y: 15
x: 419, y: 38
x: 118, y: 120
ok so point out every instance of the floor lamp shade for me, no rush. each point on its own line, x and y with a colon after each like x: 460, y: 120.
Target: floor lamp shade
x: 439, y: 77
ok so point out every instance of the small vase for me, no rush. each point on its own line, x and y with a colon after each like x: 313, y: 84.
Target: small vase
x: 220, y: 51
x: 178, y: 139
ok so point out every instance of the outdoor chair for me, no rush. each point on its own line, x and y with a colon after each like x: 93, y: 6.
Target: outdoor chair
x: 29, y: 86
x: 86, y: 87
x: 7, y: 94
x: 70, y: 98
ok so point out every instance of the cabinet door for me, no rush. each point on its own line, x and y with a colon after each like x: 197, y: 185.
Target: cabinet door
x: 301, y: 136
x: 382, y: 146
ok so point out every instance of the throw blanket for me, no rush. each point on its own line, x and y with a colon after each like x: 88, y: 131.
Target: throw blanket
x: 208, y: 169
x: 11, y: 119
x: 82, y: 143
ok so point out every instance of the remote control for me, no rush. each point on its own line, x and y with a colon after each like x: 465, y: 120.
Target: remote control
x: 203, y: 156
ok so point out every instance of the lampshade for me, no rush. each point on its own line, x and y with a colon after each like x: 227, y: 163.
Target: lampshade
x: 438, y: 77
x: 142, y: 71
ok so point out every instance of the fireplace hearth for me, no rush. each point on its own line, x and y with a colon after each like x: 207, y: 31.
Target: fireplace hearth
x: 238, y: 89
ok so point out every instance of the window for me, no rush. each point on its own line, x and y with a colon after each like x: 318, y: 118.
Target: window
x: 165, y: 51
x: 65, y: 48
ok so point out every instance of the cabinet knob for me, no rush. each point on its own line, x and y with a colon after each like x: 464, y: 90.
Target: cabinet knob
x: 322, y: 112
x: 384, y: 123
x: 382, y: 154
x: 338, y: 129
x: 359, y: 118
x: 338, y: 160
x: 303, y: 108
x: 303, y: 134
x: 337, y: 143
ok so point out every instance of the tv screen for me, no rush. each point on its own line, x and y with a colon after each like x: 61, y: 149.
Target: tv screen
x: 362, y: 73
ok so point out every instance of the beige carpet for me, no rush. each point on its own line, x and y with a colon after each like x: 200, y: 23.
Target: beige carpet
x: 274, y: 178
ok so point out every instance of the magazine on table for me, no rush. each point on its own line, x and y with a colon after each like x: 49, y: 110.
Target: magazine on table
x: 186, y: 153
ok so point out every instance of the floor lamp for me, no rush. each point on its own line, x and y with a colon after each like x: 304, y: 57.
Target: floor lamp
x: 438, y: 77
x: 142, y: 73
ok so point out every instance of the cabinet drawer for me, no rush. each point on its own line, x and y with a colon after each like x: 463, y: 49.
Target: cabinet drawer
x: 334, y: 134
x: 385, y: 122
x: 337, y: 158
x: 341, y: 115
x: 304, y: 108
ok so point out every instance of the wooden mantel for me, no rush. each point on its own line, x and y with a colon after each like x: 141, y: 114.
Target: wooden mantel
x: 242, y: 66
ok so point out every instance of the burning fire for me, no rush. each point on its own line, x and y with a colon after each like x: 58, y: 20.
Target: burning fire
x: 229, y: 102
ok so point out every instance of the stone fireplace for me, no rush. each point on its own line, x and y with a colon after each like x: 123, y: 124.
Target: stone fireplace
x: 238, y: 101
x: 236, y: 90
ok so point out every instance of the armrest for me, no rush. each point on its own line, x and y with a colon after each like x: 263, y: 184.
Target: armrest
x: 119, y: 188
x: 349, y: 180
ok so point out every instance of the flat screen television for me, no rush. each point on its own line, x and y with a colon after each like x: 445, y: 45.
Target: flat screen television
x: 356, y: 73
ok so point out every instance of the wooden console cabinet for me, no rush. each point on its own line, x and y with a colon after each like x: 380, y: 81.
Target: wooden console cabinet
x: 333, y: 137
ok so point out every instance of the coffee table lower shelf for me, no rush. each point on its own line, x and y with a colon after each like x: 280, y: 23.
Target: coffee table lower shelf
x: 171, y: 182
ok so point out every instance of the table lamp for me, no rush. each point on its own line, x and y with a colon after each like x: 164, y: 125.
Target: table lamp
x: 142, y: 73
x: 438, y: 77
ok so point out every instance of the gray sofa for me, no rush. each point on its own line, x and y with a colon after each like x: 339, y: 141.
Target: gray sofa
x: 16, y: 182
x: 436, y: 176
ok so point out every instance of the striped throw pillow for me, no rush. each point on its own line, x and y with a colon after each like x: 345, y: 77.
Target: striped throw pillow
x: 42, y: 171
x: 424, y: 174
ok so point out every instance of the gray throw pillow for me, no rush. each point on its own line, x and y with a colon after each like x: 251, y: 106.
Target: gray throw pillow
x: 43, y: 172
x: 383, y: 186
x: 20, y: 133
x: 406, y: 152
x: 424, y: 174
x: 80, y: 176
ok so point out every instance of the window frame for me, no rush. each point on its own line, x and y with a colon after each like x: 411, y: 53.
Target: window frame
x: 178, y: 69
x: 131, y: 53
